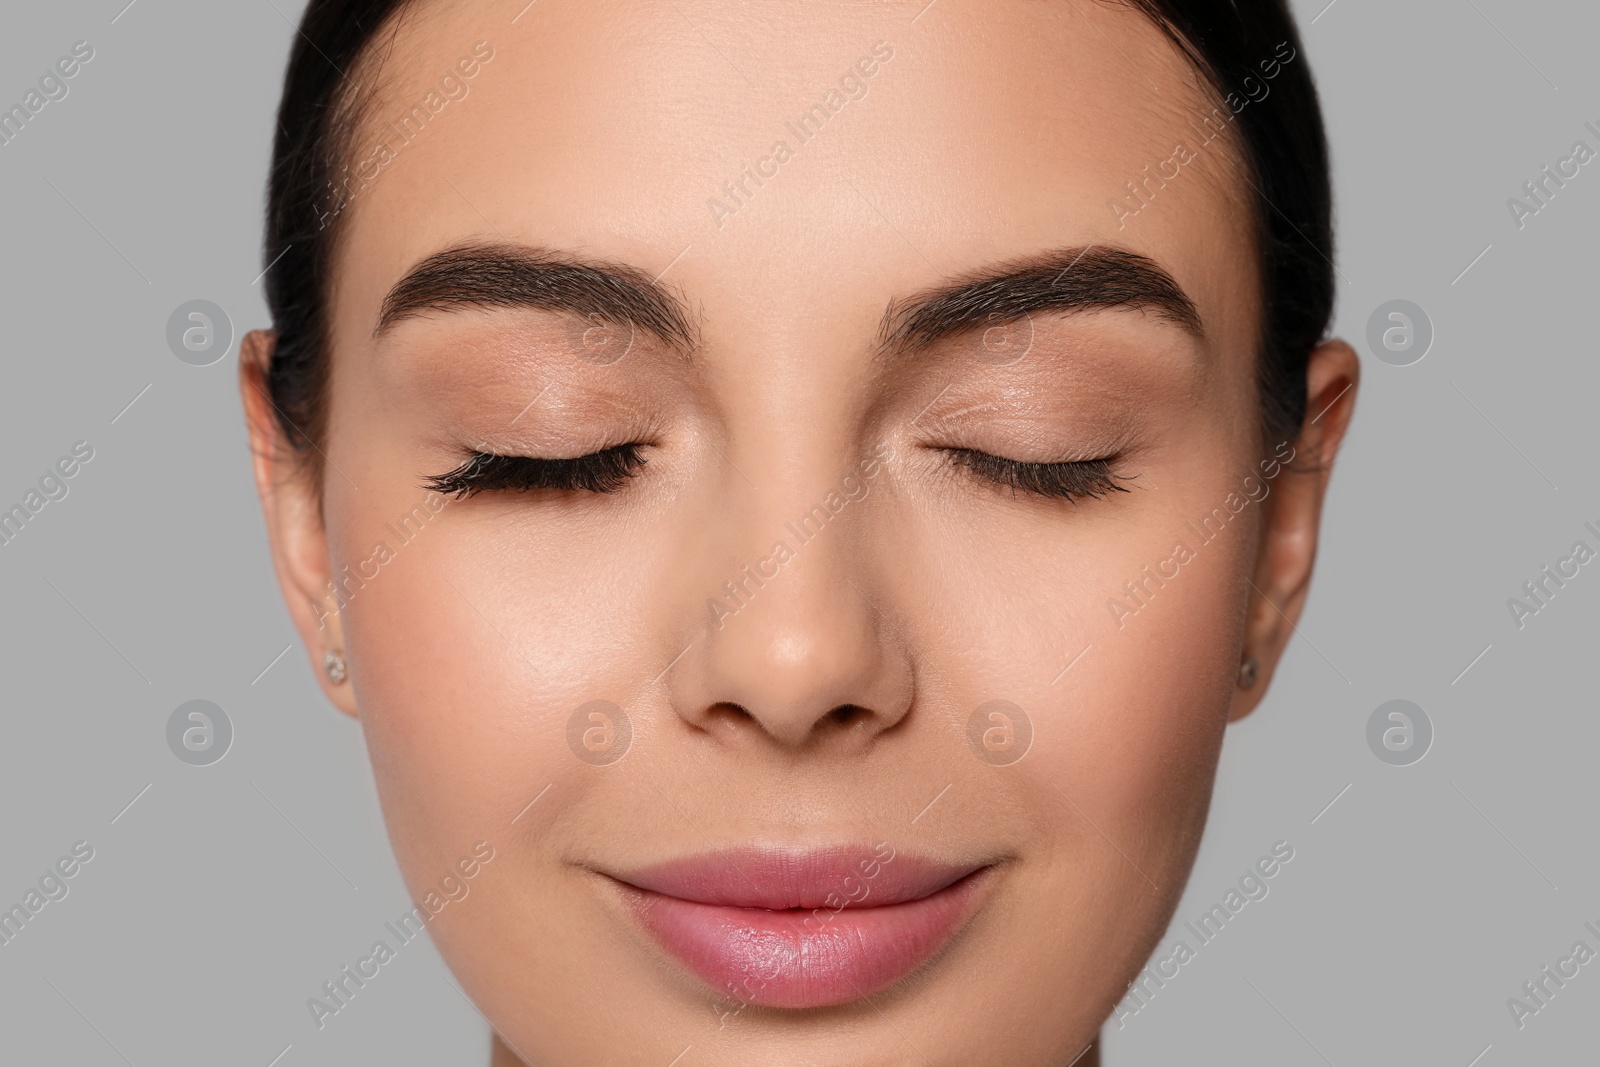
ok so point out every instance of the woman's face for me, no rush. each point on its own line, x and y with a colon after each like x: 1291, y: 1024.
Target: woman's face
x: 724, y: 708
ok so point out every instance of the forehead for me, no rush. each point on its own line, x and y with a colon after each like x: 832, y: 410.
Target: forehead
x: 839, y: 150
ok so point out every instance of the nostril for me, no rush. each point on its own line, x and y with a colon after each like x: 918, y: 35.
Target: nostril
x: 728, y: 714
x: 848, y: 714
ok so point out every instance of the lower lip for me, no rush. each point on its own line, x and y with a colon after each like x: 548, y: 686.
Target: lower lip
x: 804, y: 958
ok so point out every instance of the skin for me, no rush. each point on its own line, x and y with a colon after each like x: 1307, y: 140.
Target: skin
x: 999, y: 130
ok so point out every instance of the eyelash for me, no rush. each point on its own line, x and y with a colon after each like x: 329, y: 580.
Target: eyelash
x: 1072, y: 481
x: 608, y: 470
x: 605, y: 471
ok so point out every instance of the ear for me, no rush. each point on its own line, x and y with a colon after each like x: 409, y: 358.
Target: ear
x: 291, y: 502
x: 1292, y: 515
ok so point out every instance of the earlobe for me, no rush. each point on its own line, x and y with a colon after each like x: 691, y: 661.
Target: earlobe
x: 1292, y: 518
x: 291, y: 504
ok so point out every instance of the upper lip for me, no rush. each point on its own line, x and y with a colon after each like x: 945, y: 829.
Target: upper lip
x: 777, y: 878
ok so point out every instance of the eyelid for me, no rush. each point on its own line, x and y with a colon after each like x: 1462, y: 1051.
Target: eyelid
x: 603, y: 471
x: 1070, y: 480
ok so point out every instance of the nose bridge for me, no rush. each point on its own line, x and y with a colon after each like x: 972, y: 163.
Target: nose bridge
x: 789, y: 636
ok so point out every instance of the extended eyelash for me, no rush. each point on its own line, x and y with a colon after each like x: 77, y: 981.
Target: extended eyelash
x: 1073, y: 480
x: 605, y: 471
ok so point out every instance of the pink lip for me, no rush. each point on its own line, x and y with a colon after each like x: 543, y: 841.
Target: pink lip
x: 808, y: 929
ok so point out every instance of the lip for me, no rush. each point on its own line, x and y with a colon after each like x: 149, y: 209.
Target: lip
x: 804, y: 929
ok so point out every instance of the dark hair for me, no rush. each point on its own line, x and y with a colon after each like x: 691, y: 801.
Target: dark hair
x: 1230, y: 42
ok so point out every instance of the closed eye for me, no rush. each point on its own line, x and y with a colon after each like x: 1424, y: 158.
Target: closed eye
x: 605, y: 471
x: 1073, y: 480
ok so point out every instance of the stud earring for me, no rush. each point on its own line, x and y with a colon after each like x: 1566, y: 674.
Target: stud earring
x: 1248, y: 671
x: 333, y: 664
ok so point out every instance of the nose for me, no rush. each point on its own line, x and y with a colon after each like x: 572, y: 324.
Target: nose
x: 795, y: 644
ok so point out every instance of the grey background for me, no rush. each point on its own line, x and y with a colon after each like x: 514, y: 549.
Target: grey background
x: 225, y: 895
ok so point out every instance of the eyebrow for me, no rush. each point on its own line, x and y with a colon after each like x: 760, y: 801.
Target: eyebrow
x: 516, y: 276
x: 1075, y: 279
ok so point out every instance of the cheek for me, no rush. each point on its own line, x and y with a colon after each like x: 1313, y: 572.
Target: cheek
x: 446, y: 662
x: 1152, y: 703
x: 1147, y: 720
x: 1108, y: 805
x: 471, y: 651
x: 1127, y: 720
